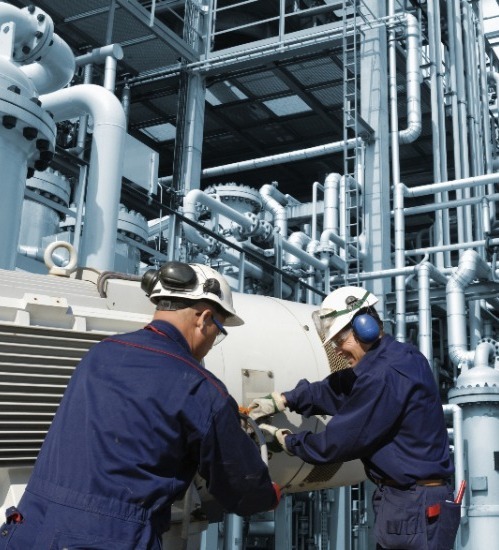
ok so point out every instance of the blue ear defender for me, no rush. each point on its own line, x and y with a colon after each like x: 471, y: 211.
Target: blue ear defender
x: 366, y: 328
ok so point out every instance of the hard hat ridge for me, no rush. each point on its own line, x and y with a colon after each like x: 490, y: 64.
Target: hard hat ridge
x: 194, y: 282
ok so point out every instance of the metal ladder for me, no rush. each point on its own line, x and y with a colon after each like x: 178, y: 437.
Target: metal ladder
x: 353, y: 128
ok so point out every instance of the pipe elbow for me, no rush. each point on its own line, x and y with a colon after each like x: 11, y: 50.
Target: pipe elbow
x: 484, y: 352
x: 189, y: 204
x: 101, y: 104
x: 411, y: 133
x: 459, y: 355
x: 54, y: 70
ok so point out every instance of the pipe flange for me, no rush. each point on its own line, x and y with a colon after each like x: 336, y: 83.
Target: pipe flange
x: 326, y: 249
x: 51, y: 184
x: 214, y: 248
x: 242, y: 233
x: 25, y: 123
x: 69, y: 221
x: 132, y: 224
x: 479, y: 383
x: 240, y: 197
x: 265, y: 231
x: 30, y: 49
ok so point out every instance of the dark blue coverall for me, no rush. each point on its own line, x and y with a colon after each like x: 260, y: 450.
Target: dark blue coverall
x: 387, y: 412
x: 139, y: 417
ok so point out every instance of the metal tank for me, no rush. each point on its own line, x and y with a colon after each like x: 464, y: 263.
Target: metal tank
x: 477, y: 393
x: 39, y: 219
x: 132, y: 232
x: 32, y: 59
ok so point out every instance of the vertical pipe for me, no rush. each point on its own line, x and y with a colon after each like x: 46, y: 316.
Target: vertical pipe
x: 441, y: 229
x: 233, y: 534
x: 469, y: 72
x: 110, y: 73
x: 316, y: 185
x: 104, y: 185
x: 424, y: 334
x: 459, y: 105
x: 331, y: 207
x: 399, y: 235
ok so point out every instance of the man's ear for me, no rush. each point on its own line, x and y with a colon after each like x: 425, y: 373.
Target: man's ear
x: 203, y: 317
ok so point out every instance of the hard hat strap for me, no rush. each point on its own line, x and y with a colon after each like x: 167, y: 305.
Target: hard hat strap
x: 338, y: 313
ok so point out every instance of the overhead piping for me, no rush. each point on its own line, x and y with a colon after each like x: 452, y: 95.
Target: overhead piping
x: 272, y: 160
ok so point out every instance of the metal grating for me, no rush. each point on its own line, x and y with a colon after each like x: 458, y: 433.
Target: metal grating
x: 35, y: 366
x: 322, y: 473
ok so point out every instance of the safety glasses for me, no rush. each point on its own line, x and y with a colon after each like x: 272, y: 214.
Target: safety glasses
x: 341, y: 338
x: 222, y: 333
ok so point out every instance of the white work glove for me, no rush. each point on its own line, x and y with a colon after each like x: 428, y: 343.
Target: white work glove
x: 275, y: 438
x: 266, y: 406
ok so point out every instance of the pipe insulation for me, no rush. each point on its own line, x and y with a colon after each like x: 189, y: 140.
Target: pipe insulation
x: 272, y: 160
x: 54, y: 70
x: 471, y: 266
x: 413, y: 82
x: 106, y: 160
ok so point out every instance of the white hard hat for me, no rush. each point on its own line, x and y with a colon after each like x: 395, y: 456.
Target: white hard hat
x: 191, y: 282
x: 340, y: 307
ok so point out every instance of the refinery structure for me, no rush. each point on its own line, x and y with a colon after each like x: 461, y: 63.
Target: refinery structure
x: 293, y: 145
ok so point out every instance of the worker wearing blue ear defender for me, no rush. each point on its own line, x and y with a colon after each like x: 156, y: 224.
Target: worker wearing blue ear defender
x: 385, y: 411
x: 140, y: 417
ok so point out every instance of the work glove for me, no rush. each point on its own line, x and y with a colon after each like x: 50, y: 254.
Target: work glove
x: 278, y: 495
x: 266, y: 406
x: 275, y: 438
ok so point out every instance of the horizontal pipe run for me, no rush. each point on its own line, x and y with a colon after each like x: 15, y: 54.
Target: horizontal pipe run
x: 99, y: 55
x: 433, y: 188
x: 197, y: 196
x: 415, y: 210
x: 444, y: 248
x: 272, y: 160
x: 369, y: 276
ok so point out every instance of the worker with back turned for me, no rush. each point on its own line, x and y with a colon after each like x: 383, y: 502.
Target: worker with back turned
x: 140, y: 417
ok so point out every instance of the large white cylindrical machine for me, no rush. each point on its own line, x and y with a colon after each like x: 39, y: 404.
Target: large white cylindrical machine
x: 278, y: 346
x: 51, y: 321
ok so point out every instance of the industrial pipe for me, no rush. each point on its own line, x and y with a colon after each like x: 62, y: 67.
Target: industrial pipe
x: 104, y: 185
x: 275, y: 203
x: 54, y: 70
x: 272, y: 160
x: 471, y: 266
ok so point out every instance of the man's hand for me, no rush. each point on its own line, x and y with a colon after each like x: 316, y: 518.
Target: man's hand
x: 275, y: 438
x: 266, y: 406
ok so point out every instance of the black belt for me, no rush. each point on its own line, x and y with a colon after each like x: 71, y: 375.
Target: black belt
x: 421, y: 482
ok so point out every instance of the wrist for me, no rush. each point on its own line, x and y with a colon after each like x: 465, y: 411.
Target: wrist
x: 279, y: 401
